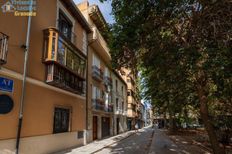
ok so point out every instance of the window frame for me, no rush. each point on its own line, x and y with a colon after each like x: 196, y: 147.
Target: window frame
x: 64, y: 19
x: 68, y: 124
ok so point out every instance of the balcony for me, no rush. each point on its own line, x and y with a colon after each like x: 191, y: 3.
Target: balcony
x: 108, y: 80
x: 99, y: 105
x: 65, y: 63
x: 100, y: 45
x: 97, y: 73
x: 58, y: 76
x: 3, y: 48
x: 110, y: 108
x: 124, y: 113
x: 118, y: 110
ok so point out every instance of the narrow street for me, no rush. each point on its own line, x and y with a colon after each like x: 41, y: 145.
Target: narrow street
x: 143, y: 142
x: 137, y: 143
x: 151, y: 141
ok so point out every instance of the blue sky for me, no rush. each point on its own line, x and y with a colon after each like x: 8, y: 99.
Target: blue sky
x: 104, y: 7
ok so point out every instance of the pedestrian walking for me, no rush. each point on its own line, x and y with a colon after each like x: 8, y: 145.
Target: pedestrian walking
x: 136, y: 127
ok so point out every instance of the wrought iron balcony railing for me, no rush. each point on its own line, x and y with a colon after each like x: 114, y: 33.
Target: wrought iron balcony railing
x: 97, y: 73
x: 110, y: 108
x: 59, y: 76
x: 108, y: 80
x: 99, y: 104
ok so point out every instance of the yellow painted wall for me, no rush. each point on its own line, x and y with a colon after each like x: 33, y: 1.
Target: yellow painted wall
x: 39, y: 101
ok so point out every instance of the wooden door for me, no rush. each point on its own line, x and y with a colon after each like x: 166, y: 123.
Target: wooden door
x: 94, y: 127
x: 105, y: 127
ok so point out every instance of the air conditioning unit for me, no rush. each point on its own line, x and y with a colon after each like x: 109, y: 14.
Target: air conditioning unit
x: 3, y: 48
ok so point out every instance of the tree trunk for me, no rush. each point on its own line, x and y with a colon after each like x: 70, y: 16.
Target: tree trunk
x: 172, y: 124
x: 206, y: 120
x: 165, y: 120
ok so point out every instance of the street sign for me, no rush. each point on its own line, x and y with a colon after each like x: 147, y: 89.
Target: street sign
x: 6, y: 84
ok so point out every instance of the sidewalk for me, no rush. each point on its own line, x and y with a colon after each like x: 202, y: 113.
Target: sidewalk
x: 162, y: 144
x: 95, y: 146
x: 165, y: 144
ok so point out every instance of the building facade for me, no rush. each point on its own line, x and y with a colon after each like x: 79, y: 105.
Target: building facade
x: 55, y: 93
x: 100, y: 106
x: 119, y: 97
x: 133, y: 107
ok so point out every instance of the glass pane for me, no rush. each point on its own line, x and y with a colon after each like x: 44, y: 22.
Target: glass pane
x: 61, y: 52
x: 50, y: 73
x: 53, y: 46
x: 76, y: 64
x: 69, y: 60
x: 57, y: 120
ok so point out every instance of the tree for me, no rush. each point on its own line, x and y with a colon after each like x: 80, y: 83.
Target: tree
x: 184, y: 47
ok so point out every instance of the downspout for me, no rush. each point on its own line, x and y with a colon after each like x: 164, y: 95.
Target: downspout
x: 87, y: 104
x: 21, y: 105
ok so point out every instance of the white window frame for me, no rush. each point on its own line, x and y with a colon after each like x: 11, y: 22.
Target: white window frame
x: 107, y: 72
x: 96, y: 61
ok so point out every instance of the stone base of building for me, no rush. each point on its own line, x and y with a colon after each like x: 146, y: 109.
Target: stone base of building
x: 42, y: 144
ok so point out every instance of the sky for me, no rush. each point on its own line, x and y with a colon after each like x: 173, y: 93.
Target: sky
x: 104, y: 7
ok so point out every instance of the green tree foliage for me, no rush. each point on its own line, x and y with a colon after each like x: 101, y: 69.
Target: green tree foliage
x: 183, y: 48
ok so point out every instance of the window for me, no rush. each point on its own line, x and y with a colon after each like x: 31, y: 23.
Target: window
x: 116, y: 85
x: 61, y: 53
x: 106, y: 73
x: 64, y: 54
x: 133, y: 107
x: 96, y: 61
x: 109, y: 99
x: 96, y: 94
x: 68, y: 57
x: 122, y: 90
x: 102, y: 94
x: 122, y: 106
x: 61, y: 120
x: 85, y: 40
x: 117, y: 103
x: 65, y: 25
x: 128, y: 93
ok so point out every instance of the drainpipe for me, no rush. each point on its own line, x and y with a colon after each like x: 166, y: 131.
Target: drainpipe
x: 26, y: 50
x: 87, y: 95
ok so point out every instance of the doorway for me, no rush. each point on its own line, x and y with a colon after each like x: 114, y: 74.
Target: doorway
x: 105, y: 127
x: 95, y: 127
x: 117, y: 125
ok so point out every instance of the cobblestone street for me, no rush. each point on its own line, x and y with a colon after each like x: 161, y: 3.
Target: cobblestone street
x: 145, y: 141
x: 137, y: 143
